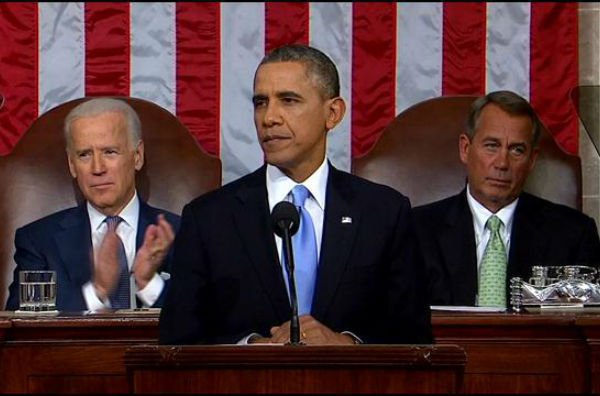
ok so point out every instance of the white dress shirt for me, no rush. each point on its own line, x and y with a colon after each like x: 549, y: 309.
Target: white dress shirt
x: 279, y: 188
x: 127, y: 231
x: 482, y: 235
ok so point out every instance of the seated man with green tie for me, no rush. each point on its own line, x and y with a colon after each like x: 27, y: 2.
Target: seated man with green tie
x: 475, y: 242
x: 112, y: 251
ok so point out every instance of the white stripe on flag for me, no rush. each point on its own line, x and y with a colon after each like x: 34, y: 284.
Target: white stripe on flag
x: 242, y: 48
x: 153, y: 36
x: 419, y: 53
x: 507, y: 49
x: 61, y: 54
x: 331, y: 32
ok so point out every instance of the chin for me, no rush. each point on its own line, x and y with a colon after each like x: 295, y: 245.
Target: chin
x: 275, y: 161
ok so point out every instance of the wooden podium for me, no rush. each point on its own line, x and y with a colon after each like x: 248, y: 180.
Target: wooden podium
x: 552, y: 352
x: 295, y: 369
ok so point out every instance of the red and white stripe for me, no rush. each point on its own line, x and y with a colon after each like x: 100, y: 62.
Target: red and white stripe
x: 197, y: 60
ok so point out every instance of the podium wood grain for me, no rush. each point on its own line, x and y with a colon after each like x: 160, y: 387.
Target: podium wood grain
x: 296, y: 369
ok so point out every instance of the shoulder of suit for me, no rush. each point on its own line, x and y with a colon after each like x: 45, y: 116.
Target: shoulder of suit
x: 366, y: 186
x: 154, y: 210
x: 55, y: 218
x: 439, y: 205
x: 222, y: 194
x: 530, y: 201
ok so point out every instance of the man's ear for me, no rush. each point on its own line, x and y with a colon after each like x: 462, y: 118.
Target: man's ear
x: 464, y: 143
x: 139, y: 155
x: 335, y: 112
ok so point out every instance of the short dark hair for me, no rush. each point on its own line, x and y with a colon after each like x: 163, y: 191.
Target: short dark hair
x: 511, y: 103
x: 318, y: 65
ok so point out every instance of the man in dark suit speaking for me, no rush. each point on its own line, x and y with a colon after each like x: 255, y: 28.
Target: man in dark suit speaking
x: 111, y: 251
x: 228, y: 281
x: 476, y: 241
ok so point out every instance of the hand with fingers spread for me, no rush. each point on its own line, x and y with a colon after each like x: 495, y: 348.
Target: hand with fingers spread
x: 158, y: 238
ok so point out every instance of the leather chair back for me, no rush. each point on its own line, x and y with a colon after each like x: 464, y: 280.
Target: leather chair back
x: 417, y: 154
x: 36, y: 181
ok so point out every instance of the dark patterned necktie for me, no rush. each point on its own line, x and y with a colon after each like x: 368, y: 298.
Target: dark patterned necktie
x: 120, y: 297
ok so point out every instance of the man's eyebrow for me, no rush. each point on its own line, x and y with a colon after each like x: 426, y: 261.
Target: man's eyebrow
x: 258, y: 97
x: 493, y: 138
x: 288, y: 94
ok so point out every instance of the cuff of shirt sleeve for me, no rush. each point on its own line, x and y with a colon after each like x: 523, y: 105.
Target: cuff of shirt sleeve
x: 354, y: 337
x: 245, y: 340
x: 149, y: 294
x: 91, y: 298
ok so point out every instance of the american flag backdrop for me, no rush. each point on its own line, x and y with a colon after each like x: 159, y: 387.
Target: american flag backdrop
x: 198, y: 60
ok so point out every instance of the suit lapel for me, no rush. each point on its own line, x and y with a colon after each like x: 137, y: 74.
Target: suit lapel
x: 340, y: 225
x: 457, y: 239
x: 145, y: 218
x: 252, y: 220
x: 526, y: 244
x: 74, y: 245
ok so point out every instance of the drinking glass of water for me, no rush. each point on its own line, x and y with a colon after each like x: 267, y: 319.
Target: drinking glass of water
x: 37, y: 291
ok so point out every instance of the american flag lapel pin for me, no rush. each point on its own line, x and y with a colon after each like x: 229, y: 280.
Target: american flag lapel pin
x: 346, y: 220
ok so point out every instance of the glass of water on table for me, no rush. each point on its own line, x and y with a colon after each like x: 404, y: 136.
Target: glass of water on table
x: 37, y: 292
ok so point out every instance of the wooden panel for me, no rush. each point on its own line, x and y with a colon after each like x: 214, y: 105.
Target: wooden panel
x: 77, y: 384
x: 518, y: 353
x: 290, y: 369
x: 72, y: 353
x: 590, y: 324
x: 328, y: 380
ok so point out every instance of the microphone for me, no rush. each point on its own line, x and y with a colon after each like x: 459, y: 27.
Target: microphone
x: 286, y: 221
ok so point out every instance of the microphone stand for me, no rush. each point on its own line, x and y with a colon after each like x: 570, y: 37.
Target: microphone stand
x: 289, y: 258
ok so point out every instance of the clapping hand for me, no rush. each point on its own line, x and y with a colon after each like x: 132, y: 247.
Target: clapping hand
x: 158, y: 238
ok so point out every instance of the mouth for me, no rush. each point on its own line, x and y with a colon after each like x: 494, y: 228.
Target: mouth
x: 268, y: 138
x: 498, y: 182
x: 272, y: 141
x: 101, y: 186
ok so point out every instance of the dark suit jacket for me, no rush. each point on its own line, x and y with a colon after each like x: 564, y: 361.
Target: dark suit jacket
x: 543, y: 233
x: 227, y: 280
x: 62, y: 242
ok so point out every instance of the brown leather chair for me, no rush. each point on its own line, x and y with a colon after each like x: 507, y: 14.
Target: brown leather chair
x: 417, y: 154
x: 36, y: 181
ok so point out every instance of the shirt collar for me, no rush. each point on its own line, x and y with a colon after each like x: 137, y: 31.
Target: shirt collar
x: 481, y: 214
x: 129, y: 214
x: 279, y: 184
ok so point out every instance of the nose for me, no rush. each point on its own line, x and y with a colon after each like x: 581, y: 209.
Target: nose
x: 98, y: 166
x: 271, y: 115
x: 501, y: 160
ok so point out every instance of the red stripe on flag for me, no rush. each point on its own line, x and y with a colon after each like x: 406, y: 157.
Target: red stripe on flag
x: 373, y: 72
x: 285, y: 23
x: 463, y: 60
x: 198, y: 71
x: 107, y: 49
x: 555, y: 69
x: 18, y: 71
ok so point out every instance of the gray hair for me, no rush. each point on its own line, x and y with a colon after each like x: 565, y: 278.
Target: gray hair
x: 97, y: 106
x: 318, y: 65
x: 511, y: 103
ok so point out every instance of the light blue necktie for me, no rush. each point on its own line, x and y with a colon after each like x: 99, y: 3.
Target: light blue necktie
x: 120, y: 297
x: 305, y: 252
